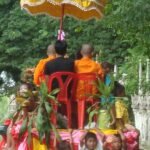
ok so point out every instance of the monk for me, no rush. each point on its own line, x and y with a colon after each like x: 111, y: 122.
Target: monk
x: 86, y: 65
x: 39, y: 70
x: 86, y: 88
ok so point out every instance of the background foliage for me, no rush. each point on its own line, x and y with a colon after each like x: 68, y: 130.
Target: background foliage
x: 4, y: 110
x: 121, y: 37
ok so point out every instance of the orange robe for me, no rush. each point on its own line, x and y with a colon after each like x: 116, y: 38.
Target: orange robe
x: 86, y: 65
x: 39, y: 70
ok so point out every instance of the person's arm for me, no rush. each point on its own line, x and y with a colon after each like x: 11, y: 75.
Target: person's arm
x: 100, y: 134
x: 82, y: 139
x: 37, y: 72
x: 113, y: 116
x: 124, y: 147
x: 120, y: 122
x: 100, y: 72
x: 108, y: 142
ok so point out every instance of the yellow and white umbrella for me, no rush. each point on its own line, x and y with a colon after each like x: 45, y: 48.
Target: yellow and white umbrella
x: 81, y: 9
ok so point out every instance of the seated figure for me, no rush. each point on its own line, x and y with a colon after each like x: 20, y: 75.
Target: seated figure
x: 59, y: 64
x: 39, y: 70
x: 86, y: 65
x: 122, y: 116
x: 107, y: 68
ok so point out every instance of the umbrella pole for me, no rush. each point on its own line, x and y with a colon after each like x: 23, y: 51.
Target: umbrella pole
x: 61, y: 22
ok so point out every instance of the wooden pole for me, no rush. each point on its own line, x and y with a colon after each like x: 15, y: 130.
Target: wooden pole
x: 61, y: 22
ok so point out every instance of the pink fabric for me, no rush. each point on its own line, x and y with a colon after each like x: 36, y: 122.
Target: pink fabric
x: 131, y: 139
x: 15, y: 130
x: 2, y: 143
x: 62, y: 36
x: 133, y: 146
x: 23, y: 145
x: 65, y: 135
x: 7, y: 122
x: 76, y: 135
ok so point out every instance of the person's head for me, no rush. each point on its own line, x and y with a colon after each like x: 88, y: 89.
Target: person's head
x: 107, y: 67
x: 91, y: 141
x: 87, y: 50
x: 119, y: 90
x: 23, y: 89
x: 61, y: 47
x: 51, y: 50
x: 63, y: 145
x: 113, y: 142
x: 27, y: 75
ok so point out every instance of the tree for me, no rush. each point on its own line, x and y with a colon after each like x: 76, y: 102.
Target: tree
x: 23, y: 39
x: 130, y: 19
x: 123, y: 33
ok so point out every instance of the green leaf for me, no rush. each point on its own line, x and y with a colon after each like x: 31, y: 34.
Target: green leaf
x: 48, y: 108
x: 29, y: 131
x: 91, y: 114
x: 55, y: 132
x: 53, y: 98
x: 55, y: 91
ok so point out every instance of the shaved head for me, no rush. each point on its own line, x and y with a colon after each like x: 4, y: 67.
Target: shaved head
x: 87, y: 50
x: 51, y: 50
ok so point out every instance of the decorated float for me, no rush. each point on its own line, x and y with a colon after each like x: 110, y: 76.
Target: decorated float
x: 46, y: 117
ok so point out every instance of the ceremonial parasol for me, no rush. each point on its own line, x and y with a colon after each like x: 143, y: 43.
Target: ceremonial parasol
x: 81, y: 9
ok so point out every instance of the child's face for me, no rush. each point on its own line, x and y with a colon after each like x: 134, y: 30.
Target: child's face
x: 107, y: 70
x: 116, y: 144
x: 91, y: 143
x: 121, y: 94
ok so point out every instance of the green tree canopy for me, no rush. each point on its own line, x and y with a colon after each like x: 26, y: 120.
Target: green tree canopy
x: 123, y: 32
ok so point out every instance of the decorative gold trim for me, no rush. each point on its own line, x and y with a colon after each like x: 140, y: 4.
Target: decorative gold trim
x: 92, y: 8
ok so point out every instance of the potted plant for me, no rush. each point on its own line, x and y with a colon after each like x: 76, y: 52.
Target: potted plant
x: 105, y: 111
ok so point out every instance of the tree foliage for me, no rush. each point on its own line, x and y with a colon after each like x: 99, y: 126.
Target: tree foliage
x: 23, y: 38
x: 131, y: 20
x: 124, y: 32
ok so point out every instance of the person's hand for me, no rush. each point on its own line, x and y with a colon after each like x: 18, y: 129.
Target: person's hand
x: 129, y: 127
x: 111, y: 123
x: 100, y: 134
x: 110, y: 138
